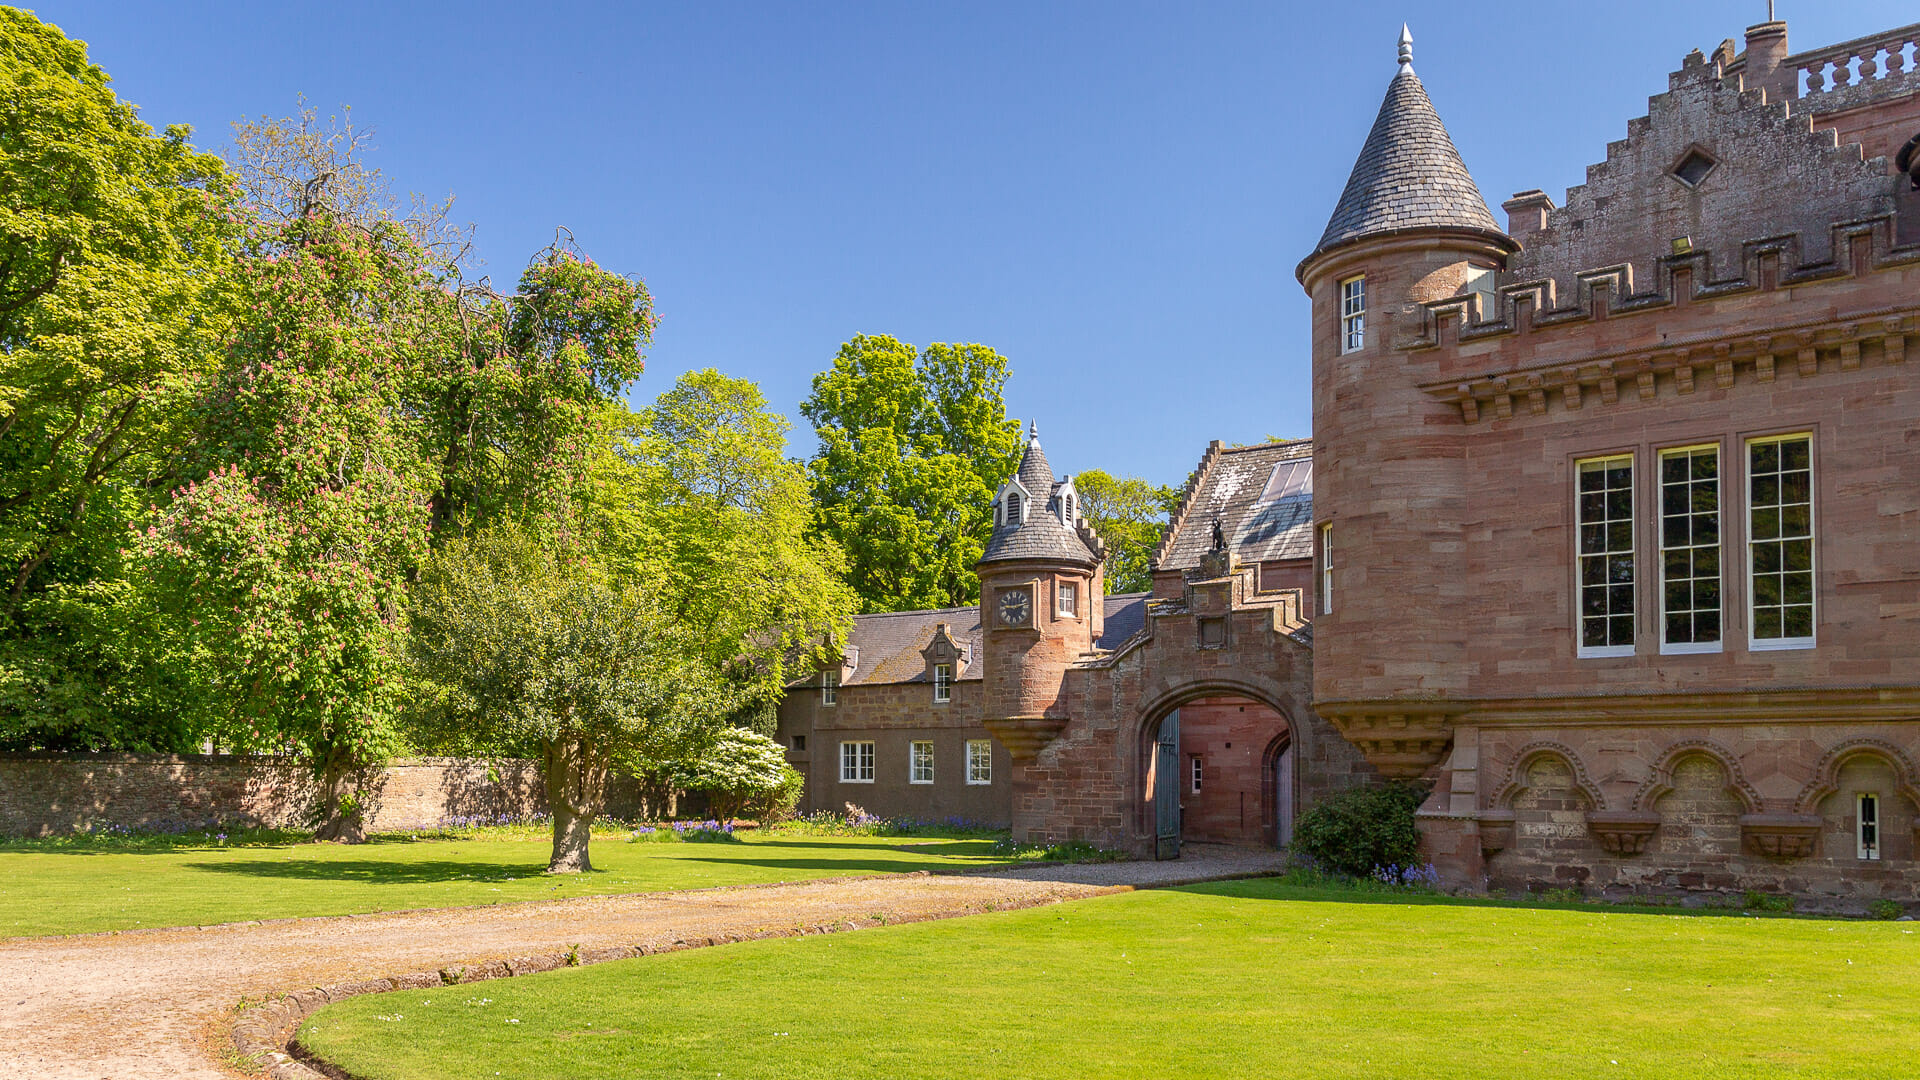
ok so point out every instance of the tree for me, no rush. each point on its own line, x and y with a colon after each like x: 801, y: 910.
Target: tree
x: 741, y: 771
x: 913, y: 445
x: 716, y: 518
x: 550, y: 651
x: 1130, y: 515
x: 115, y: 249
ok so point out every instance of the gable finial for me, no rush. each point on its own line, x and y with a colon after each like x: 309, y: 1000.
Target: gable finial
x: 1406, y: 47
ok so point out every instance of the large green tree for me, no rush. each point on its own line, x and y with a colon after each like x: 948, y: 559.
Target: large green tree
x: 912, y: 445
x: 116, y: 246
x: 368, y: 397
x: 549, y: 651
x: 1130, y: 515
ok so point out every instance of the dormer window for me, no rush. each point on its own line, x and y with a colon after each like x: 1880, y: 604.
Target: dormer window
x: 942, y: 683
x: 1013, y: 508
x: 1067, y: 518
x: 829, y: 686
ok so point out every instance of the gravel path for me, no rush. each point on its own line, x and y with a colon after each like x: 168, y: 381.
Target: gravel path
x: 159, y: 1003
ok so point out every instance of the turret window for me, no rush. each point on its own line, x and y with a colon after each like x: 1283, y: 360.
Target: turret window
x: 1353, y: 314
x: 1068, y: 606
x: 1013, y: 508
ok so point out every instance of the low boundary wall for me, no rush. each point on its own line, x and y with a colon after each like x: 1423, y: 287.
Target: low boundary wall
x: 50, y: 794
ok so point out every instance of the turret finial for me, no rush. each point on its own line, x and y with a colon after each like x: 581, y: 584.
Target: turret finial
x: 1033, y: 430
x: 1406, y: 47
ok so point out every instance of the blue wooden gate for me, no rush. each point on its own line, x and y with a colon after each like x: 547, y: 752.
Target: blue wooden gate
x: 1166, y: 789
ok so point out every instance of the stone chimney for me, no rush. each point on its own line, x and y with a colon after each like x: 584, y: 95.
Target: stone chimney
x: 1527, y: 213
x: 1766, y: 49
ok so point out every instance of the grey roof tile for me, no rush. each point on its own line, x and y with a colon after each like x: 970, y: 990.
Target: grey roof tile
x: 1408, y: 175
x: 1125, y: 614
x: 1258, y: 529
x: 1041, y: 535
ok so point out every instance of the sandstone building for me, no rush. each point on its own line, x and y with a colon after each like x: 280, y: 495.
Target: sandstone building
x: 1609, y: 529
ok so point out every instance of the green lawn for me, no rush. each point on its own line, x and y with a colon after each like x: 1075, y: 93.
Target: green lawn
x: 67, y: 888
x: 1238, y: 979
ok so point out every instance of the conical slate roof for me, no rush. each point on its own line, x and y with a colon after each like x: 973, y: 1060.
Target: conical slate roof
x: 1042, y: 535
x: 1408, y: 176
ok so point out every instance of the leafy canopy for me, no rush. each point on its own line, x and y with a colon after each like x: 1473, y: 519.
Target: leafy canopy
x: 913, y: 444
x: 1130, y: 515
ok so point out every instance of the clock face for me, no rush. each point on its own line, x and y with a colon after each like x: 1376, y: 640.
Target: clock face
x: 1016, y: 606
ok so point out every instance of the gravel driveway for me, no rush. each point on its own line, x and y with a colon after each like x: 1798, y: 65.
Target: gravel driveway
x: 160, y: 1003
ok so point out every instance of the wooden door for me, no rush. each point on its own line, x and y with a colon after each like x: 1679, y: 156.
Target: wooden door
x: 1166, y: 789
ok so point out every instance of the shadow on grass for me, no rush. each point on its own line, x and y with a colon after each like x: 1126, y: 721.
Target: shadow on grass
x: 1272, y: 888
x: 378, y: 872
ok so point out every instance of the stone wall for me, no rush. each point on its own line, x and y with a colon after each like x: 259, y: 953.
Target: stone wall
x: 1090, y: 783
x: 48, y: 794
x: 892, y: 716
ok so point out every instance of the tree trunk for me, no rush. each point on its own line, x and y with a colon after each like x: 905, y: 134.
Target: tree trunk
x: 342, y: 818
x: 576, y: 775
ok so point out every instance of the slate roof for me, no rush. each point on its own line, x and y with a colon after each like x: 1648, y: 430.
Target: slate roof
x: 890, y: 644
x: 1258, y: 529
x: 1408, y: 175
x: 1041, y: 535
x: 1125, y: 614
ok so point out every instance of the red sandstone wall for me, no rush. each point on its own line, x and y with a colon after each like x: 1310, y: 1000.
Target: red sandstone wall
x: 893, y: 715
x: 1232, y: 737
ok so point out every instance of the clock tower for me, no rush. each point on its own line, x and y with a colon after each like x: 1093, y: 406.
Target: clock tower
x: 1040, y: 603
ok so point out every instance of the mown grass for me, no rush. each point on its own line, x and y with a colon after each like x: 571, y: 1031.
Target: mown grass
x: 79, y: 885
x: 1228, y: 980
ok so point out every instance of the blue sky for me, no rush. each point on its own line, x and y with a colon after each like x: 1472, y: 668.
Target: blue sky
x: 1113, y: 195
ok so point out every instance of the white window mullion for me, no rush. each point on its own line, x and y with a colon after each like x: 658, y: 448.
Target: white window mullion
x: 1604, y: 547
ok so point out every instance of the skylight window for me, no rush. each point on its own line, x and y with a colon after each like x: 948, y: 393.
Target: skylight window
x: 1294, y: 477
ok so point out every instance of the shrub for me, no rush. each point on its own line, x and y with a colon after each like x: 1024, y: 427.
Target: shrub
x: 1886, y: 909
x: 742, y: 770
x: 1759, y: 901
x: 1356, y: 831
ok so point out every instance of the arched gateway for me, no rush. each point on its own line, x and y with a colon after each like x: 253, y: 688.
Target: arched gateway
x: 1196, y: 724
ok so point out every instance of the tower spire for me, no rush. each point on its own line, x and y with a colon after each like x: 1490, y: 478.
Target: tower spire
x: 1406, y: 47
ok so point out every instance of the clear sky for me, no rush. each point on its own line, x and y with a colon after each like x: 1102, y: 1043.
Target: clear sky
x: 1114, y: 195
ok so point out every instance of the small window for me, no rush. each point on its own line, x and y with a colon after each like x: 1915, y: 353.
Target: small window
x: 979, y: 761
x: 1693, y: 168
x: 799, y: 744
x: 1483, y: 284
x: 1867, y: 827
x: 1326, y: 569
x: 1780, y: 541
x: 830, y: 686
x: 1288, y: 478
x: 1196, y: 774
x: 1353, y: 314
x: 1013, y: 508
x: 1605, y: 550
x: 856, y: 762
x: 1069, y: 601
x: 942, y: 682
x: 920, y: 763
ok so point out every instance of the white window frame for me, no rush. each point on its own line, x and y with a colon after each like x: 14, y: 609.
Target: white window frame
x: 1066, y: 600
x: 1581, y: 649
x: 1352, y: 298
x: 856, y: 761
x: 1196, y: 768
x: 829, y: 686
x: 1326, y: 568
x: 1684, y: 648
x: 1866, y: 826
x: 979, y: 761
x: 920, y: 762
x: 1754, y: 642
x: 942, y: 683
